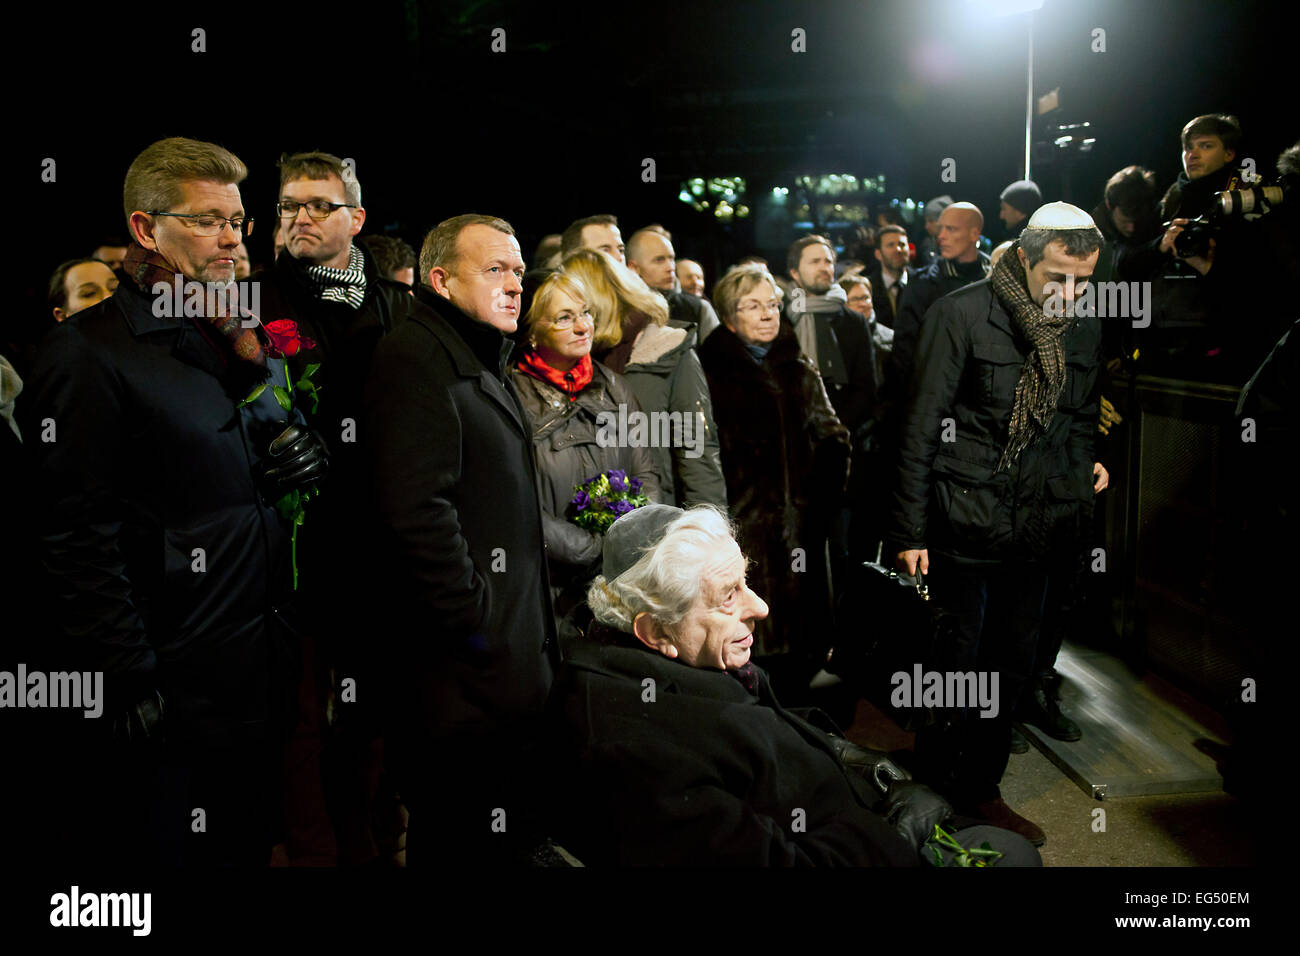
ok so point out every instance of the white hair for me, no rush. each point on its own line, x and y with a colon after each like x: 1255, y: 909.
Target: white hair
x: 665, y: 582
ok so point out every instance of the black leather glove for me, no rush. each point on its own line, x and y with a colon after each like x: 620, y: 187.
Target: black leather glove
x: 142, y: 721
x: 913, y: 809
x: 297, y: 457
x: 872, y: 765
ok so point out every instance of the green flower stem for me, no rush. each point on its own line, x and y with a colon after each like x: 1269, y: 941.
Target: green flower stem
x: 293, y: 554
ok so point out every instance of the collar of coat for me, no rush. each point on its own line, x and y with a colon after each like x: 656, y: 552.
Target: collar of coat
x: 551, y: 406
x: 724, y: 351
x: 953, y: 269
x: 294, y: 273
x: 492, y: 349
x: 192, y: 345
x: 621, y: 656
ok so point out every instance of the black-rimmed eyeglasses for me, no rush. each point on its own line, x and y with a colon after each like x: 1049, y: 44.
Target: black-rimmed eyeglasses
x: 318, y: 209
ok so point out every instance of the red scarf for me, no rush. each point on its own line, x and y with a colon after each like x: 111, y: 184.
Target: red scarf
x: 571, y: 382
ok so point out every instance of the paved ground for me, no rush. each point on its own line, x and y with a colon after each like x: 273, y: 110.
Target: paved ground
x: 1197, y: 829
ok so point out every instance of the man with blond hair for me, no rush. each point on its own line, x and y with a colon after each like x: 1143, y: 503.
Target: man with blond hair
x: 155, y: 496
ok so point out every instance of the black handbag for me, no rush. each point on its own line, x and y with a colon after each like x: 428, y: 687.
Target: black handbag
x: 895, y: 627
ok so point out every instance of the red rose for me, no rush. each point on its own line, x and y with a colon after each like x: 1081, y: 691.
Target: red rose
x: 285, y: 338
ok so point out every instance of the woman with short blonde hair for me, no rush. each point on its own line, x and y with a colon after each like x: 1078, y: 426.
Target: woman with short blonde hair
x: 633, y: 337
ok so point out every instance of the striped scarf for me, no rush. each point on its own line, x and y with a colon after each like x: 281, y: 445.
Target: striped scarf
x: 342, y: 285
x: 1042, y: 377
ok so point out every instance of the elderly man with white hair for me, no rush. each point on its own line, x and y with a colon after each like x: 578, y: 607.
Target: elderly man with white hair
x: 673, y: 749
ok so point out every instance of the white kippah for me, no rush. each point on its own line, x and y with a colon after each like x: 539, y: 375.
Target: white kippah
x: 1060, y: 215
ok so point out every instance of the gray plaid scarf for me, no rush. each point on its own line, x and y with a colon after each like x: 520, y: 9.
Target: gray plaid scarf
x: 1042, y: 377
x: 342, y: 285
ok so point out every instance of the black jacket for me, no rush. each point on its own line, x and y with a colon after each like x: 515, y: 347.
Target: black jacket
x: 880, y: 297
x: 465, y: 614
x: 345, y: 337
x: 1196, y: 329
x: 151, y: 462
x: 948, y: 497
x: 702, y: 774
x: 785, y: 455
x: 847, y: 363
x: 923, y: 290
x: 335, y: 532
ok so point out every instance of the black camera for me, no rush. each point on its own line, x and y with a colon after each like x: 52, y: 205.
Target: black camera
x: 1194, y: 240
x: 1248, y: 204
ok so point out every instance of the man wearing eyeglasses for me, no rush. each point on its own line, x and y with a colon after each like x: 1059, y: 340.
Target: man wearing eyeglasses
x: 155, y: 479
x: 326, y: 282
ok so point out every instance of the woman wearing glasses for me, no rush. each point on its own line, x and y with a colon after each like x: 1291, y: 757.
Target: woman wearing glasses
x: 785, y: 456
x: 563, y: 393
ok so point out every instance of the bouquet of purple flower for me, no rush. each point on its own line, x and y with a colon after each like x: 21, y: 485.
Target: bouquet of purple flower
x: 602, y: 500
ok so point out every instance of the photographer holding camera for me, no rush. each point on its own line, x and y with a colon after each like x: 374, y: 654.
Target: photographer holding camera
x: 1210, y: 315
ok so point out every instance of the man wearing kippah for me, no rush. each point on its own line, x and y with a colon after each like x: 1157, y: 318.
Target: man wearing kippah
x: 995, y: 468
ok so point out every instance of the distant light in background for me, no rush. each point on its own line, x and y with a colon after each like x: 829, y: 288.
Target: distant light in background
x: 998, y: 8
x: 934, y: 62
x: 726, y: 193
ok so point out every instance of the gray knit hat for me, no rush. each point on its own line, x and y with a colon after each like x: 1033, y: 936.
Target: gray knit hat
x: 1023, y: 195
x: 935, y: 207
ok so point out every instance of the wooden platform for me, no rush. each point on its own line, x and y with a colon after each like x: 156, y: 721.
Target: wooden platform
x: 1139, y: 735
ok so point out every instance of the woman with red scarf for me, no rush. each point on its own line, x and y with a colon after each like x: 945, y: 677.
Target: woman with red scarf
x: 563, y: 393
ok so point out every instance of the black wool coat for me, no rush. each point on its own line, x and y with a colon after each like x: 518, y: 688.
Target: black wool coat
x: 335, y: 533
x: 170, y: 571
x: 785, y: 456
x: 463, y: 618
x: 663, y: 764
x: 949, y: 495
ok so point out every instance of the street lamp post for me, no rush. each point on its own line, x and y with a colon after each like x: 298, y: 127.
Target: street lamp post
x: 998, y: 8
x: 1029, y: 93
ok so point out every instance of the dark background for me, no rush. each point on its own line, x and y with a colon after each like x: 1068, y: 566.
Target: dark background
x: 558, y: 125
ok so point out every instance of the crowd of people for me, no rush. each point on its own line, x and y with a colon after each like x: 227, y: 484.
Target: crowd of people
x: 327, y: 543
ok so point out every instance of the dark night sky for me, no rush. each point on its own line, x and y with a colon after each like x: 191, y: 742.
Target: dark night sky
x: 557, y: 126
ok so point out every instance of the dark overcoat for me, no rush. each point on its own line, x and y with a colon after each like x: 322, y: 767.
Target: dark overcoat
x: 463, y: 617
x: 664, y: 764
x: 170, y: 571
x: 785, y: 456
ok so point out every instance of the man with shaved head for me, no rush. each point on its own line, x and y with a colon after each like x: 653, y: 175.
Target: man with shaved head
x: 960, y: 263
x: 690, y: 275
x: 650, y: 255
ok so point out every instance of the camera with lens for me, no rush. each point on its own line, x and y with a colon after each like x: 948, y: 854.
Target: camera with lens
x: 1246, y: 204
